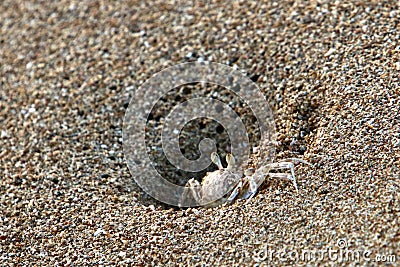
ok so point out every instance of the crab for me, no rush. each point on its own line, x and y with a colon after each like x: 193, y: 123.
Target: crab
x: 244, y: 185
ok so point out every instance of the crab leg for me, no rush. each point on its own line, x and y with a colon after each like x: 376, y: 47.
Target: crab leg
x: 255, y: 180
x: 259, y: 177
x: 284, y: 176
x: 296, y: 160
x: 193, y: 190
x: 235, y: 192
x: 253, y: 189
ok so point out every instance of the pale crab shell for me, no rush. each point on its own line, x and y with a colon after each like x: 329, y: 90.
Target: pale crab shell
x: 210, y: 192
x: 214, y: 183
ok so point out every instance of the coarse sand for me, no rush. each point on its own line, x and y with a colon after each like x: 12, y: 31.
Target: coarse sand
x: 329, y: 70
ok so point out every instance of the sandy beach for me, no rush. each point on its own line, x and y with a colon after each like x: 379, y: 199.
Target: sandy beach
x: 329, y: 71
